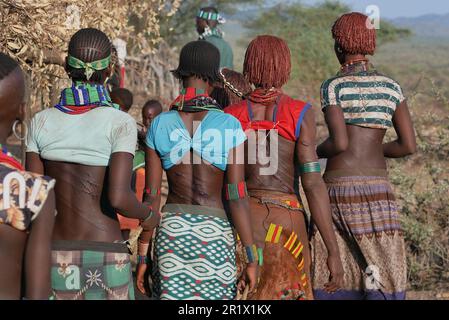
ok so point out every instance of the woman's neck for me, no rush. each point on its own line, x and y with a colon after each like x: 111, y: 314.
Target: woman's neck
x: 354, y: 58
x: 196, y: 83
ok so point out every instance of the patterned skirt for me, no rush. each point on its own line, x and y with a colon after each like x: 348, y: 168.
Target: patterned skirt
x: 279, y: 222
x: 369, y: 237
x: 88, y: 270
x: 194, y: 254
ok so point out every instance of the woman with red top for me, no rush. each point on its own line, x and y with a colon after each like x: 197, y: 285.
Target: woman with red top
x: 281, y: 146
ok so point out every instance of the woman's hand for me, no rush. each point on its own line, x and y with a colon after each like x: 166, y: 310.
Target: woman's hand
x: 151, y: 223
x: 141, y: 271
x: 336, y: 273
x: 249, y: 276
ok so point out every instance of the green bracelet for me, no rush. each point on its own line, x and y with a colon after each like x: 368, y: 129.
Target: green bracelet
x: 142, y: 259
x: 150, y: 215
x: 260, y: 256
x: 310, y: 167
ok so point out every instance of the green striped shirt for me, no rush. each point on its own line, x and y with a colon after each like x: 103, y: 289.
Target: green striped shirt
x: 367, y: 98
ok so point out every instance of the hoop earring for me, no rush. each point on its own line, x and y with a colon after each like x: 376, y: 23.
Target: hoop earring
x: 14, y: 130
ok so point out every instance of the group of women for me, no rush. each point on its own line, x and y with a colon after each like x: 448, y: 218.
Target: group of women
x: 220, y: 192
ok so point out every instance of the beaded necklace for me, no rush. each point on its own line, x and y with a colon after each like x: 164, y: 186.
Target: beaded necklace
x: 7, y: 157
x: 194, y: 100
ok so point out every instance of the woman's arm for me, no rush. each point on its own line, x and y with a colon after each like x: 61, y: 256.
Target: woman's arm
x: 33, y: 163
x: 38, y: 252
x: 337, y: 142
x: 153, y: 181
x: 405, y: 144
x: 318, y: 199
x: 120, y: 194
x: 240, y: 210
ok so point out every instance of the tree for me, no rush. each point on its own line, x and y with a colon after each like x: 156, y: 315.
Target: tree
x: 36, y: 32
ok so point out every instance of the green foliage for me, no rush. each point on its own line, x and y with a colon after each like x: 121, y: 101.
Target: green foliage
x: 308, y: 33
x: 180, y: 28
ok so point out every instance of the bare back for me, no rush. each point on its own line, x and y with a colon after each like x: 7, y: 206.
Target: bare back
x: 194, y: 181
x: 283, y: 179
x: 365, y: 150
x: 84, y: 212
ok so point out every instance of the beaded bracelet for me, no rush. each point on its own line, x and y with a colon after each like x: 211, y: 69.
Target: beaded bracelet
x: 142, y: 248
x: 260, y: 256
x: 236, y: 191
x: 310, y: 167
x: 251, y: 254
x: 152, y: 191
x: 142, y: 259
x: 150, y: 215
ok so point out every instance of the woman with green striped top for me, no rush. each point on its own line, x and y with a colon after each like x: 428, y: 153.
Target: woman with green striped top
x: 359, y: 105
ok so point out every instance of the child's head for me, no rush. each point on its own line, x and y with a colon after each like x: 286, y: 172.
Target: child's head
x: 123, y: 97
x: 150, y: 111
x: 235, y: 88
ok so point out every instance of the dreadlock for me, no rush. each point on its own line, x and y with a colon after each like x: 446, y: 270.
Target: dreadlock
x: 88, y: 45
x: 267, y: 62
x: 200, y: 59
x: 353, y: 35
x: 7, y: 65
x: 235, y: 88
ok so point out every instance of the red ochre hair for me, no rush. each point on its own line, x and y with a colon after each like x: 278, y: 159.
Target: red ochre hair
x: 267, y: 62
x: 352, y: 34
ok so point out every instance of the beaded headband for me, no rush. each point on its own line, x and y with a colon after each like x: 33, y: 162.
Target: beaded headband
x: 211, y: 16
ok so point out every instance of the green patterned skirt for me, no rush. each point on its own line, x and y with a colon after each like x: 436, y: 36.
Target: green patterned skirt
x: 88, y: 270
x: 194, y: 254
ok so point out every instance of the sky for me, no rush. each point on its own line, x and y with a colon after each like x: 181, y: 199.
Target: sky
x: 397, y: 8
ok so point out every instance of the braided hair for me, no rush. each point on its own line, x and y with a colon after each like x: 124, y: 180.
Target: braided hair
x: 200, y: 59
x: 354, y: 36
x: 7, y: 65
x: 235, y: 88
x: 88, y: 45
x: 267, y: 62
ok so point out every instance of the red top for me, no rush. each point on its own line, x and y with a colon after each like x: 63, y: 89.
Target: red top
x: 287, y: 116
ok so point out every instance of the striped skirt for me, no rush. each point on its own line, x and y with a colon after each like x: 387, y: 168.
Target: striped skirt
x: 194, y: 254
x: 369, y: 235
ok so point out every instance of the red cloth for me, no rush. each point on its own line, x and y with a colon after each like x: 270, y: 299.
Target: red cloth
x: 288, y: 118
x: 129, y: 223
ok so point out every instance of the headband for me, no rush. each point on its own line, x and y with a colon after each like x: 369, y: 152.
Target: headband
x: 89, y: 67
x: 211, y: 16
